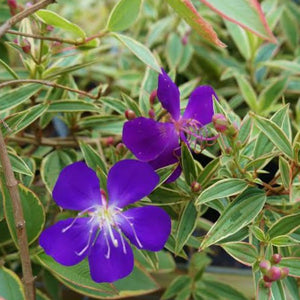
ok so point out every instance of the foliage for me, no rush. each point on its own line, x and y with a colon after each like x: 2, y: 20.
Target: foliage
x: 71, y: 75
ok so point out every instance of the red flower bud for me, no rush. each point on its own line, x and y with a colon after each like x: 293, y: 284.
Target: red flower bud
x: 195, y: 186
x: 220, y: 122
x: 267, y: 279
x: 130, y: 114
x: 50, y: 28
x: 108, y: 141
x: 151, y: 113
x: 274, y: 273
x: 25, y: 45
x: 265, y: 266
x: 13, y: 6
x: 152, y: 97
x: 120, y: 149
x: 276, y: 258
x: 284, y: 272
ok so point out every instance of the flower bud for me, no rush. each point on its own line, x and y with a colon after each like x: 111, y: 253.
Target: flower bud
x: 13, y: 6
x: 151, y: 113
x: 276, y: 258
x: 220, y: 122
x: 195, y: 186
x: 264, y: 266
x: 25, y: 45
x: 267, y: 279
x: 108, y: 141
x: 152, y: 97
x: 274, y: 273
x: 284, y: 272
x: 268, y: 284
x: 16, y: 41
x: 50, y: 28
x: 130, y: 114
x: 120, y: 149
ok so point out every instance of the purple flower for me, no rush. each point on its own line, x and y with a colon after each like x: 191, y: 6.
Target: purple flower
x: 99, y: 230
x: 158, y: 143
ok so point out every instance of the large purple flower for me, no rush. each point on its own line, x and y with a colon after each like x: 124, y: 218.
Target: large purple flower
x: 99, y: 230
x: 158, y: 143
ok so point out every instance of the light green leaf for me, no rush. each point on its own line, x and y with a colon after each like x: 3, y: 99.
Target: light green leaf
x: 291, y: 66
x: 51, y: 18
x: 18, y: 164
x: 15, y: 97
x: 243, y: 252
x: 9, y: 69
x: 188, y: 164
x: 247, y: 91
x: 174, y: 50
x: 275, y: 134
x: 208, y: 172
x: 223, y: 188
x: 11, y: 287
x: 139, y: 50
x: 72, y: 106
x: 284, y: 168
x: 237, y: 215
x: 177, y: 285
x: 123, y: 15
x: 33, y: 211
x: 293, y: 263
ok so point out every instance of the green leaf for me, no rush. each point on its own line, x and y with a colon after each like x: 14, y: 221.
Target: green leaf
x: 275, y: 134
x: 245, y: 130
x: 258, y: 233
x: 187, y: 11
x: 186, y: 225
x: 188, y: 164
x: 123, y: 15
x: 15, y: 97
x: 293, y: 263
x: 283, y: 241
x: 245, y: 13
x: 51, y: 18
x: 33, y: 210
x: 271, y: 93
x: 174, y: 50
x: 18, y: 122
x: 51, y: 167
x: 277, y: 289
x: 11, y: 287
x: 292, y: 287
x: 237, y: 215
x: 72, y: 106
x: 139, y: 50
x: 208, y: 172
x: 247, y: 91
x: 291, y: 66
x: 243, y: 252
x: 19, y: 165
x: 177, y: 285
x: 284, y: 168
x: 240, y: 38
x: 9, y: 69
x: 284, y: 225
x: 115, y: 104
x: 288, y: 22
x: 223, y: 290
x: 223, y: 188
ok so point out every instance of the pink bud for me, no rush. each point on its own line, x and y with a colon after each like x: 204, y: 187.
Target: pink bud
x: 276, y: 258
x: 13, y: 6
x: 152, y: 97
x: 25, y: 45
x: 151, y: 113
x: 284, y: 272
x: 17, y: 43
x: 130, y: 114
x: 268, y: 285
x: 267, y: 279
x: 108, y: 141
x: 220, y: 122
x: 274, y: 273
x: 195, y: 186
x: 50, y: 28
x: 120, y: 149
x: 264, y: 266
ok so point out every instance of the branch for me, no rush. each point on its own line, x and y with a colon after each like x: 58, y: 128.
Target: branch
x: 23, y: 14
x: 12, y: 186
x: 52, y: 84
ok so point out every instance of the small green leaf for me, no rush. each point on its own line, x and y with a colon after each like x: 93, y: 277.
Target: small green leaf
x: 247, y: 91
x: 33, y: 211
x: 258, y: 233
x: 283, y: 241
x: 188, y: 164
x: 208, y: 172
x: 284, y: 168
x: 174, y: 50
x: 52, y: 165
x: 123, y: 15
x: 237, y: 215
x: 177, y: 285
x: 223, y: 188
x: 139, y: 50
x: 275, y: 134
x: 284, y: 225
x: 186, y: 226
x: 9, y: 69
x: 72, y: 106
x: 11, y: 287
x: 245, y: 130
x: 291, y: 66
x: 243, y: 252
x: 51, y: 18
x: 15, y: 97
x: 19, y: 165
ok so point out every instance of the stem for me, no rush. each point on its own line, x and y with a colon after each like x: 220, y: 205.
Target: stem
x: 52, y: 84
x: 12, y: 186
x: 22, y: 15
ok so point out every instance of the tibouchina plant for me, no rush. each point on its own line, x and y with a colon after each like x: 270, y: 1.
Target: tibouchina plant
x: 102, y: 227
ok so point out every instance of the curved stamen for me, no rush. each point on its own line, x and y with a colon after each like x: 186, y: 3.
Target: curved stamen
x: 122, y: 240
x: 107, y: 255
x: 88, y: 243
x: 111, y: 234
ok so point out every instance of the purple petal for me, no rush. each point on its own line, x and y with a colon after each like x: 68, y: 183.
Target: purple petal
x: 171, y: 153
x: 146, y: 138
x: 176, y: 173
x: 107, y: 262
x: 168, y: 95
x: 68, y: 246
x: 129, y: 181
x: 77, y: 187
x: 146, y: 227
x: 200, y: 105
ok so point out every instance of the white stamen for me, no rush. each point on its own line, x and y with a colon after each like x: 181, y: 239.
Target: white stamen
x: 107, y: 255
x: 88, y: 243
x: 133, y: 230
